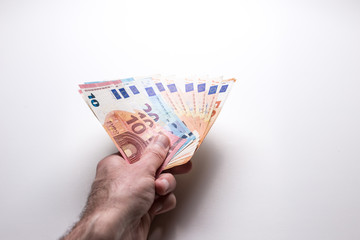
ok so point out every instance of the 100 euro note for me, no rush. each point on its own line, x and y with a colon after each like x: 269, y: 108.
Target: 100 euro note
x: 128, y: 127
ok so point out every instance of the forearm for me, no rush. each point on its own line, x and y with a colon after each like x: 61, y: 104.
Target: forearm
x: 122, y: 202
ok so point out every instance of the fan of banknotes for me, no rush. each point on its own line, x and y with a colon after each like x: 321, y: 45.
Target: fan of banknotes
x: 134, y: 110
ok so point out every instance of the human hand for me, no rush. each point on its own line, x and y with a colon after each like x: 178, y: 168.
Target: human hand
x: 125, y: 197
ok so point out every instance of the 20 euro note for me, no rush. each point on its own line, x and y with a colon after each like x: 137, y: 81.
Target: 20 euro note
x: 161, y: 115
x: 128, y: 127
x: 155, y: 98
x: 170, y: 92
x: 186, y: 109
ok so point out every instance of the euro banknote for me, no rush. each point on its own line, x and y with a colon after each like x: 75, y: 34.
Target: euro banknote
x: 134, y: 110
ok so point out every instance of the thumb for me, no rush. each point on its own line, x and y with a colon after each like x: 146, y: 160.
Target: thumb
x: 155, y: 153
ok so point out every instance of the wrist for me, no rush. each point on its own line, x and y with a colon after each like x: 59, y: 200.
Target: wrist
x: 106, y: 224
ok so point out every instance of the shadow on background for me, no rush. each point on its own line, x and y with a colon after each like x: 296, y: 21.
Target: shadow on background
x: 190, y: 192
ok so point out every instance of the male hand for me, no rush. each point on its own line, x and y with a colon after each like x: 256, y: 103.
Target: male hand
x: 125, y: 197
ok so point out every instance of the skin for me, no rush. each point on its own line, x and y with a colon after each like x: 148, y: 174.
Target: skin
x: 125, y: 198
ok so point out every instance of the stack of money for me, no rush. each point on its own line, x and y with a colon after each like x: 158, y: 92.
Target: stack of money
x: 134, y: 110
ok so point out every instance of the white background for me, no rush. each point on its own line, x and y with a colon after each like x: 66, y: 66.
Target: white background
x: 282, y: 160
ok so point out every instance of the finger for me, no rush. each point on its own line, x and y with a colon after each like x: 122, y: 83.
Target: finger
x: 180, y: 169
x: 155, y: 154
x: 162, y: 204
x: 110, y: 162
x: 165, y: 184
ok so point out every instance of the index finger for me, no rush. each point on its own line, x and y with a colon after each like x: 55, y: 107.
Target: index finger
x: 181, y: 169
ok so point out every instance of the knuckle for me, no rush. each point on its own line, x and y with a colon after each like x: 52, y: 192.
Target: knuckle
x: 157, y: 151
x: 172, y: 200
x: 172, y: 182
x: 170, y: 178
x: 108, y: 162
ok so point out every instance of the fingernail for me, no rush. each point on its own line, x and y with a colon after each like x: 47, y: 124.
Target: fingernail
x: 158, y: 208
x: 166, y: 184
x: 162, y: 140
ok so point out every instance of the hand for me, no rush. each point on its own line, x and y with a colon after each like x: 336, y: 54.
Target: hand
x: 125, y: 197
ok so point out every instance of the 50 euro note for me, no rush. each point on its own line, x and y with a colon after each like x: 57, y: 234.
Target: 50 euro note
x: 224, y: 90
x: 170, y: 89
x: 187, y: 92
x: 171, y: 93
x: 162, y: 116
x: 156, y: 99
x: 211, y: 94
x: 152, y: 107
x: 129, y: 128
